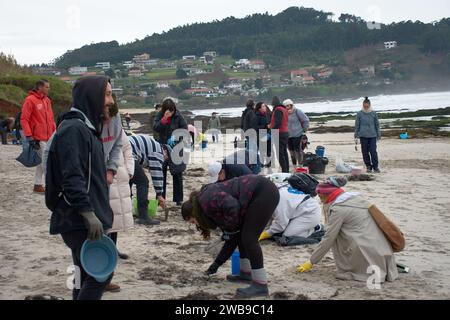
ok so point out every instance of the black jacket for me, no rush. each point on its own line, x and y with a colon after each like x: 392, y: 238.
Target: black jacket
x: 249, y: 119
x: 235, y: 170
x: 76, y: 171
x: 165, y: 131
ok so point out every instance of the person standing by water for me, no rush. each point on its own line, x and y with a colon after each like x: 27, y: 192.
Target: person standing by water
x: 264, y: 117
x: 38, y: 125
x: 215, y: 126
x: 367, y: 129
x: 76, y: 186
x: 241, y: 208
x: 166, y: 122
x: 298, y: 125
x: 280, y: 119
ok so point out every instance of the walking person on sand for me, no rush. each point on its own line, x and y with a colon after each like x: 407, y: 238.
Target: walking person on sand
x: 367, y: 129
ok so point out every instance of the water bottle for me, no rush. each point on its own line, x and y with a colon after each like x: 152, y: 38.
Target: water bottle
x: 235, y: 263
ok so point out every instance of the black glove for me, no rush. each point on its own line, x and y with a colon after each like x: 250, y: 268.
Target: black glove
x: 212, y: 269
x: 34, y: 144
x: 95, y: 227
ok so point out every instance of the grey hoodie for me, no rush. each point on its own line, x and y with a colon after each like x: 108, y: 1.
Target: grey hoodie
x: 298, y: 123
x: 112, y: 143
x: 367, y: 125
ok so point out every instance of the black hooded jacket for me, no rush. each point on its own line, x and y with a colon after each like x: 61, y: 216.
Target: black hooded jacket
x: 76, y: 172
x: 165, y: 130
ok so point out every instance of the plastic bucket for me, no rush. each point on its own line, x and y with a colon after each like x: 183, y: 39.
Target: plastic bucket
x: 152, y: 208
x: 99, y: 258
x: 404, y: 136
x: 320, y: 151
x: 318, y: 165
x: 235, y: 263
x: 204, y: 144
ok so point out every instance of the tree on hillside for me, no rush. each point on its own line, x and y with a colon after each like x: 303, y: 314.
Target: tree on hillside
x: 181, y: 74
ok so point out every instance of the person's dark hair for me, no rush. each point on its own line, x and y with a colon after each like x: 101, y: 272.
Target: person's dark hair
x: 259, y: 106
x: 9, y: 124
x: 187, y: 212
x: 366, y: 100
x: 168, y: 104
x: 41, y: 83
x: 114, y: 109
x: 158, y: 106
x: 250, y: 103
x: 276, y: 102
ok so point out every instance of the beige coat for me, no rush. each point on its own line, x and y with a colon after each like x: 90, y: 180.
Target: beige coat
x: 356, y: 241
x: 120, y: 192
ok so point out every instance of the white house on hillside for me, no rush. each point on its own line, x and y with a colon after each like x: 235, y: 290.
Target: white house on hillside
x: 390, y: 44
x: 103, y: 65
x: 77, y: 71
x: 189, y: 57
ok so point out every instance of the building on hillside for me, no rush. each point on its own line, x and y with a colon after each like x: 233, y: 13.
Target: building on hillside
x: 190, y: 57
x: 390, y: 44
x: 211, y: 54
x: 199, y: 85
x: 386, y: 66
x: 257, y: 65
x: 118, y: 90
x: 103, y: 65
x: 135, y: 73
x: 143, y: 94
x: 299, y: 75
x: 325, y: 73
x: 77, y: 71
x: 308, y: 81
x: 47, y: 71
x: 128, y: 64
x: 141, y: 58
x: 367, y: 71
x: 243, y: 63
x: 162, y: 85
x: 201, y: 92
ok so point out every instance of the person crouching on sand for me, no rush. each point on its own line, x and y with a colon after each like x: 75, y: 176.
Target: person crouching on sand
x: 353, y: 235
x: 241, y: 207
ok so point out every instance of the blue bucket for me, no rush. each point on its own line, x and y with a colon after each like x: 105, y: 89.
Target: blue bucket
x: 99, y: 258
x: 204, y: 144
x: 404, y: 135
x: 320, y: 151
x: 235, y: 263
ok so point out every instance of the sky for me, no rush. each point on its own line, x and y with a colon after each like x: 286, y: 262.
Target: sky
x: 39, y: 31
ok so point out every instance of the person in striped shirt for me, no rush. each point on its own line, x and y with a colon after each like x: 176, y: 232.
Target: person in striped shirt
x: 150, y: 154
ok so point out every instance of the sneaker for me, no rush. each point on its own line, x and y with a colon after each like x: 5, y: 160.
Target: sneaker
x: 39, y: 189
x: 148, y: 222
x: 112, y: 287
x: 254, y: 290
x: 376, y: 170
x: 369, y: 170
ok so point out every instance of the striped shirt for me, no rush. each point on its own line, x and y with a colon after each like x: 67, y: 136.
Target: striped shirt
x: 149, y: 153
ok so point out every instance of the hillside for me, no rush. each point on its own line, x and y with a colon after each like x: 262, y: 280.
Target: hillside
x: 295, y: 32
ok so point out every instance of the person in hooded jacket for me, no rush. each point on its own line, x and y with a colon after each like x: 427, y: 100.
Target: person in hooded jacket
x: 280, y: 122
x: 77, y: 189
x: 241, y: 208
x: 264, y: 116
x: 38, y: 125
x: 166, y: 122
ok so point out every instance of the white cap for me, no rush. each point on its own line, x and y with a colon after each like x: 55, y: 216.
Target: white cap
x: 213, y: 171
x: 288, y: 102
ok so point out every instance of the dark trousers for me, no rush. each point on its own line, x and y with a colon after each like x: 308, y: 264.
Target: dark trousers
x: 192, y: 140
x: 142, y: 185
x: 4, y: 135
x: 90, y: 289
x: 264, y: 202
x: 177, y: 185
x: 295, y: 149
x: 369, y: 152
x: 282, y: 152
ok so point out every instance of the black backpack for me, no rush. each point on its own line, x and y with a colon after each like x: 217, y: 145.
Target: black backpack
x: 304, y: 182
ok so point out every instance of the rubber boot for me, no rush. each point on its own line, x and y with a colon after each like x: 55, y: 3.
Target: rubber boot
x: 254, y: 290
x: 144, y: 219
x: 241, y: 277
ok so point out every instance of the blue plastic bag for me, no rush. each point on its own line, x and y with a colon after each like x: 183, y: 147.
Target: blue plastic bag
x: 29, y: 157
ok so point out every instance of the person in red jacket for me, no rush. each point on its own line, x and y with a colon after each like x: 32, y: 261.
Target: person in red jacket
x: 280, y: 120
x: 38, y: 124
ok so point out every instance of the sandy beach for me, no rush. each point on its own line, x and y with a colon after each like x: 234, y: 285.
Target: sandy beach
x: 168, y: 261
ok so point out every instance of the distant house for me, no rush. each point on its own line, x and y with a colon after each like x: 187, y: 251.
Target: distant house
x: 143, y: 94
x: 211, y: 54
x: 199, y: 85
x: 390, y: 44
x: 367, y: 71
x: 135, y: 73
x: 151, y: 62
x: 128, y: 64
x: 325, y: 73
x: 243, y: 63
x: 77, y: 71
x: 140, y: 59
x: 190, y: 57
x: 201, y: 92
x: 299, y: 75
x: 257, y: 65
x: 308, y: 80
x: 103, y: 65
x: 162, y: 85
x: 47, y: 71
x: 118, y: 90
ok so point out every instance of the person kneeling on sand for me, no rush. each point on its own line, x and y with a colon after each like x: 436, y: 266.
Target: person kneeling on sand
x: 296, y: 220
x: 241, y: 207
x: 353, y: 235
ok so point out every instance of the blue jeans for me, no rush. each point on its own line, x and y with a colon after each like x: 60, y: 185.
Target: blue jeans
x: 369, y: 152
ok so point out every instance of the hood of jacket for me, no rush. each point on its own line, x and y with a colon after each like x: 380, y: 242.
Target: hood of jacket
x: 88, y: 96
x: 37, y: 95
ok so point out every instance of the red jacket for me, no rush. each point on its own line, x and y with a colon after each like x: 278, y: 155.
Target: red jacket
x: 284, y: 128
x: 37, y: 117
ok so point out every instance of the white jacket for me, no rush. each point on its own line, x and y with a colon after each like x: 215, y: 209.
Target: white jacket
x: 120, y: 192
x: 294, y: 218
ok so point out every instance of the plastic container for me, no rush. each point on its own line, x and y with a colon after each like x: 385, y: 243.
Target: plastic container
x: 204, y: 144
x: 316, y: 164
x: 320, y: 151
x: 99, y: 258
x: 152, y: 208
x: 235, y: 263
x: 302, y: 170
x: 404, y: 136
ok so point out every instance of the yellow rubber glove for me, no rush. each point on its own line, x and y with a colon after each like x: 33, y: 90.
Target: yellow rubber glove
x: 264, y: 236
x: 307, y: 266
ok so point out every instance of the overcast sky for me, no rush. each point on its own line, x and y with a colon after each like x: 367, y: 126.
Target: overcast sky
x: 40, y: 30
